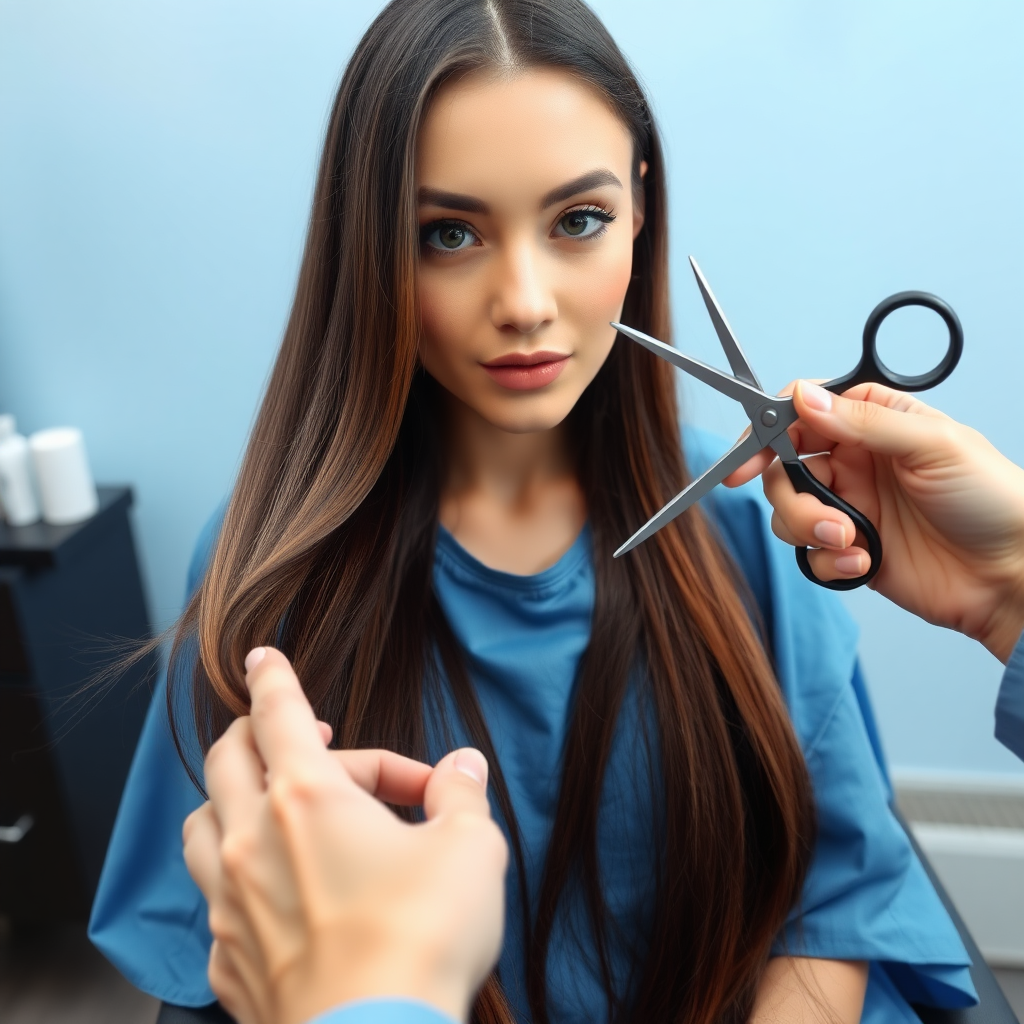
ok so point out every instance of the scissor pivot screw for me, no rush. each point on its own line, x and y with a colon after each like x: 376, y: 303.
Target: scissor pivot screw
x: 769, y: 417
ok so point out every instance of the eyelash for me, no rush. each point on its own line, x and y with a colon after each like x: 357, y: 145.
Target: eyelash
x: 597, y: 212
x: 436, y: 225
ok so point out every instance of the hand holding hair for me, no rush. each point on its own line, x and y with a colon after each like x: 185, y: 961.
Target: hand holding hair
x: 319, y: 894
x: 948, y: 506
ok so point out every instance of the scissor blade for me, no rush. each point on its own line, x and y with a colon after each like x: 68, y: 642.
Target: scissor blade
x: 733, y: 352
x: 746, y: 394
x: 745, y: 448
x: 784, y: 447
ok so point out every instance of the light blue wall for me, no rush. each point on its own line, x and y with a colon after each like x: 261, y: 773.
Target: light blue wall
x: 156, y: 162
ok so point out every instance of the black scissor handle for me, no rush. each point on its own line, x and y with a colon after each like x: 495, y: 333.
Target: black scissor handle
x: 805, y: 482
x: 871, y: 369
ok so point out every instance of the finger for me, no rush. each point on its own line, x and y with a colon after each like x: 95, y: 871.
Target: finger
x: 900, y: 401
x: 458, y: 784
x: 229, y: 988
x: 801, y: 519
x: 883, y: 421
x: 284, y: 727
x: 201, y: 834
x: 839, y: 565
x: 326, y: 732
x: 760, y: 462
x: 805, y: 440
x: 386, y: 775
x: 812, y: 524
x: 750, y: 469
x: 783, y: 532
x: 235, y: 775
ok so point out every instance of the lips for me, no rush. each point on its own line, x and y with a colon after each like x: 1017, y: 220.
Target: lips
x: 526, y: 371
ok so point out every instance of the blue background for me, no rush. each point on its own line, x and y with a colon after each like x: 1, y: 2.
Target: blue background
x: 156, y: 165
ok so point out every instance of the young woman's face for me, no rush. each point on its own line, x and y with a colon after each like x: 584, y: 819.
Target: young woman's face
x: 527, y: 223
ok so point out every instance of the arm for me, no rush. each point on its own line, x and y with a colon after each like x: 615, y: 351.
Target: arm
x: 1010, y: 704
x: 800, y: 990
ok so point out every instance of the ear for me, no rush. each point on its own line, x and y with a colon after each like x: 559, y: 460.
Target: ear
x: 638, y: 204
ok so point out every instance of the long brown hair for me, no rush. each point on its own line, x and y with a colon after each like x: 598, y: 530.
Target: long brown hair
x: 327, y: 545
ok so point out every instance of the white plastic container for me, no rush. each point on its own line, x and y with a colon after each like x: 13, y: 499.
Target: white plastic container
x: 17, y: 488
x: 66, y: 489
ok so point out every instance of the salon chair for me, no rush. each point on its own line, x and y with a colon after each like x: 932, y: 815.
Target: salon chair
x: 992, y: 1007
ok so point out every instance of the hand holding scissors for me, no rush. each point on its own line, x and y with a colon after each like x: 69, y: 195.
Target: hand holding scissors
x: 771, y: 417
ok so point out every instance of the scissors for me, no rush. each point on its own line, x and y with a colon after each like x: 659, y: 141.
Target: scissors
x: 770, y: 417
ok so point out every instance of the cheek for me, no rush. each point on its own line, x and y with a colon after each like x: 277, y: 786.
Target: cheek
x: 597, y: 295
x: 444, y: 316
x: 601, y: 290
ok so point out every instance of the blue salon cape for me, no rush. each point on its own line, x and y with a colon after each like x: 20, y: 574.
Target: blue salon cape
x: 866, y: 896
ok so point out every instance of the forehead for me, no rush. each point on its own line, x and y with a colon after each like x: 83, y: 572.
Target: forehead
x: 520, y: 133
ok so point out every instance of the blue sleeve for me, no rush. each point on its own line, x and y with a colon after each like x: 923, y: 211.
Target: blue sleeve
x: 866, y: 896
x: 1010, y: 705
x: 148, y: 917
x: 384, y: 1011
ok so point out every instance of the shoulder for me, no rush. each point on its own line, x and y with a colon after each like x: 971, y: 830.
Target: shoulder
x: 203, y: 550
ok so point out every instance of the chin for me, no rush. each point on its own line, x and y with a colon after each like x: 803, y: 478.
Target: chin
x: 543, y: 416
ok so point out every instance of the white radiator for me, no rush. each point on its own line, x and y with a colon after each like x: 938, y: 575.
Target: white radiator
x: 973, y: 834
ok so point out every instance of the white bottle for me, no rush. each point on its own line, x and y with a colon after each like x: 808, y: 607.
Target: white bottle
x: 17, y: 488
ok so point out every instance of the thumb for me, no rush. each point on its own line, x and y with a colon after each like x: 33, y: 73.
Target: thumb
x: 458, y: 784
x: 882, y: 421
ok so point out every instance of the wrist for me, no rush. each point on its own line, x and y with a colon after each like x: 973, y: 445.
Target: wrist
x: 1007, y: 627
x: 338, y: 974
x: 1006, y: 623
x: 1003, y: 644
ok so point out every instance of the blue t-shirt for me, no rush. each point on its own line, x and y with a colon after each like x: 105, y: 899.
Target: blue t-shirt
x: 866, y: 896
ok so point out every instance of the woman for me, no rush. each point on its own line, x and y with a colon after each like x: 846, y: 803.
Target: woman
x: 451, y: 446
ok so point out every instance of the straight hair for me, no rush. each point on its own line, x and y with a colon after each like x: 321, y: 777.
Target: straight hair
x: 326, y: 548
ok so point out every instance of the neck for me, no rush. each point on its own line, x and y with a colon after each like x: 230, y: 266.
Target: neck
x: 512, y: 500
x: 483, y: 457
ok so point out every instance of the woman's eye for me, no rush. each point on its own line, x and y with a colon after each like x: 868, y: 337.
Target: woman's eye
x: 448, y: 236
x: 582, y: 223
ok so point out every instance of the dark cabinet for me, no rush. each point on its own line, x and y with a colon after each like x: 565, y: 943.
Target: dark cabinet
x: 71, y: 603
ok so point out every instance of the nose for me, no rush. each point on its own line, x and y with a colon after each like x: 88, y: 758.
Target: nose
x: 524, y: 300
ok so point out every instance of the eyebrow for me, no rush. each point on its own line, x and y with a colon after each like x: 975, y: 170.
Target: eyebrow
x: 585, y: 182
x: 471, y: 204
x: 453, y: 200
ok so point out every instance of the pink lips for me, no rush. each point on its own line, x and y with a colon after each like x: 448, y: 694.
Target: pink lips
x: 525, y: 372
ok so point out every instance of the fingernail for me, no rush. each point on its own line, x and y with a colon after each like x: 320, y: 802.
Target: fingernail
x: 815, y: 397
x: 851, y: 565
x: 832, y: 535
x: 254, y: 657
x: 472, y: 763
